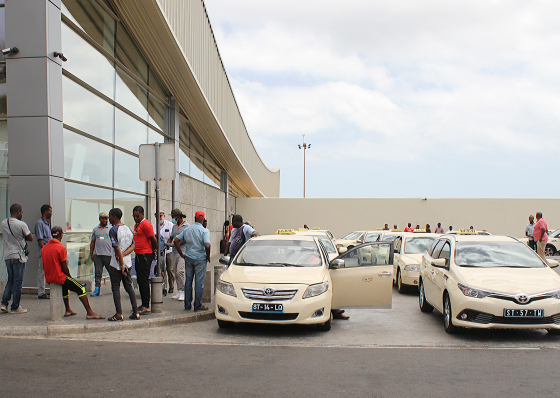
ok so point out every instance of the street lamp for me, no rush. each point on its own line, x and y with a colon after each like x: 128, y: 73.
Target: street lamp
x: 304, y: 146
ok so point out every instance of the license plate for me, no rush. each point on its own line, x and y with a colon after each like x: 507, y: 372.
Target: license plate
x: 523, y: 313
x: 258, y: 307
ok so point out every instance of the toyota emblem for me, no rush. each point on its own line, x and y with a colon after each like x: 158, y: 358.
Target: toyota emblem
x: 522, y: 298
x: 268, y: 291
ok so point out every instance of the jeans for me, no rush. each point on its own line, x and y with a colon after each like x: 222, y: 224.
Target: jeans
x: 16, y: 269
x: 100, y: 262
x: 196, y: 269
x: 116, y: 278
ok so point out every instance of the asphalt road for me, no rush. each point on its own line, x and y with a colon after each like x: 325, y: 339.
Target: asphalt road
x: 377, y: 353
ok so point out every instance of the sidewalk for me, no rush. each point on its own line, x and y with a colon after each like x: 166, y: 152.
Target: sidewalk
x: 36, y: 322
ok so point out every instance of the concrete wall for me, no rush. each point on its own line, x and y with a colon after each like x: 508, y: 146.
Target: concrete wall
x: 341, y: 216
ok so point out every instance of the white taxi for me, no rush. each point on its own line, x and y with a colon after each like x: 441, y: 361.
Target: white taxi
x: 287, y: 278
x: 325, y: 237
x: 409, y: 250
x: 490, y: 281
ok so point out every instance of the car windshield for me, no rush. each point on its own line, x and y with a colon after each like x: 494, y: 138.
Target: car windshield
x: 372, y: 237
x: 554, y: 234
x: 417, y: 245
x: 352, y: 236
x: 496, y: 254
x: 389, y: 238
x: 279, y: 253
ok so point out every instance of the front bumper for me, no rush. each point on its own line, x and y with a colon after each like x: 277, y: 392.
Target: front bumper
x: 410, y: 277
x: 295, y: 311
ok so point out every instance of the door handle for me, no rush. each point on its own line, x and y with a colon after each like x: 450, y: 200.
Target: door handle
x: 385, y: 273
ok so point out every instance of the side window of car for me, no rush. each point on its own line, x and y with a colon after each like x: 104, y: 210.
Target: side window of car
x: 445, y: 251
x: 397, y: 244
x: 367, y: 255
x: 432, y: 247
x: 437, y: 248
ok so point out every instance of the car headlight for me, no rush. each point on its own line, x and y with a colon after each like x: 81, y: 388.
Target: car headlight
x: 412, y: 267
x: 226, y: 288
x: 471, y: 292
x: 315, y: 290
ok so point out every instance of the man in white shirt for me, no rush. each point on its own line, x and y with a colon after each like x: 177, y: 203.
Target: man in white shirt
x: 16, y: 233
x: 165, y: 230
x: 529, y: 232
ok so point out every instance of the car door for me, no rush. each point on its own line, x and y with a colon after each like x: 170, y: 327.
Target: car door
x: 441, y: 275
x: 397, y: 245
x: 366, y: 277
x: 428, y: 277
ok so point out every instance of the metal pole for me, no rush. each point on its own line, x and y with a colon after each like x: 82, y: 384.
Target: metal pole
x: 157, y: 280
x: 157, y: 271
x: 304, y: 148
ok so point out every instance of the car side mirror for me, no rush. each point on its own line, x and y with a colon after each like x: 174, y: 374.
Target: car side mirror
x: 552, y: 263
x: 337, y: 263
x: 224, y: 260
x: 439, y: 262
x: 342, y: 249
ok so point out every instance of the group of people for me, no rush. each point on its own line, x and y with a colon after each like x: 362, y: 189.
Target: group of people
x: 111, y: 248
x: 439, y: 229
x: 537, y: 232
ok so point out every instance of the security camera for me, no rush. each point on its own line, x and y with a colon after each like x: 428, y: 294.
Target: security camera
x: 61, y: 56
x: 11, y: 50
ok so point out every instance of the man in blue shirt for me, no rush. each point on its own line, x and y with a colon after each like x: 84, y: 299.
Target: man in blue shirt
x: 197, y: 254
x: 43, y: 234
x: 240, y: 234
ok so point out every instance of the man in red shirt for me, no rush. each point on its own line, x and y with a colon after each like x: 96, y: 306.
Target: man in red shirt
x: 145, y: 246
x: 56, y: 270
x: 409, y: 228
x: 540, y: 235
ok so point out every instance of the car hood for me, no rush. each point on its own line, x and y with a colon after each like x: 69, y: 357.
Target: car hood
x: 412, y: 258
x: 288, y: 275
x: 511, y: 280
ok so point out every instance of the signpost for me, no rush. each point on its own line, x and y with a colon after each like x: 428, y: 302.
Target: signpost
x: 157, y: 163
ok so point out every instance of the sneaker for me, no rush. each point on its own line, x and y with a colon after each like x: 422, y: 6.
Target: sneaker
x: 170, y: 291
x: 177, y: 295
x: 19, y: 310
x: 4, y: 308
x: 181, y: 295
x: 44, y: 296
x: 96, y: 292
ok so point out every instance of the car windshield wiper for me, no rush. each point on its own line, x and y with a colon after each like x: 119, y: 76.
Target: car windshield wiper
x: 286, y: 265
x: 249, y: 264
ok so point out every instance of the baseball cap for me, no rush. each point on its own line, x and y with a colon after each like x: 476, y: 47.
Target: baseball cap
x: 177, y: 212
x: 103, y: 215
x: 56, y: 230
x: 199, y: 214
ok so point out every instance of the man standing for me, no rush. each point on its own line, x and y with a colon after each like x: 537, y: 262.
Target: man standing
x: 386, y: 227
x: 450, y: 228
x: 409, y: 228
x: 439, y: 229
x: 43, y: 234
x: 56, y: 271
x: 196, y: 256
x: 165, y: 231
x: 540, y: 235
x: 100, y: 250
x: 15, y: 233
x: 428, y: 230
x: 122, y: 242
x: 529, y: 232
x: 145, y: 245
x: 240, y: 234
x: 178, y: 261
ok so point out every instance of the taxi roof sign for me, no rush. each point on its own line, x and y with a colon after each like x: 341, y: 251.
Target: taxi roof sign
x: 379, y: 229
x: 302, y: 229
x: 467, y: 232
x: 396, y: 230
x: 419, y: 230
x: 285, y: 232
x: 316, y: 229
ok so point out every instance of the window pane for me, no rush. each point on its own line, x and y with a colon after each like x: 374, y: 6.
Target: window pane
x: 184, y: 163
x: 131, y: 95
x: 126, y: 203
x: 130, y: 133
x: 156, y: 85
x: 87, y: 63
x: 3, y: 103
x: 2, y: 30
x: 184, y: 133
x: 83, y: 205
x: 86, y: 111
x: 93, y: 20
x: 158, y: 113
x: 127, y: 173
x: 79, y: 261
x: 4, y: 197
x: 196, y: 167
x: 129, y: 55
x: 3, y: 147
x: 196, y: 146
x: 87, y: 160
x: 154, y: 136
x: 211, y: 175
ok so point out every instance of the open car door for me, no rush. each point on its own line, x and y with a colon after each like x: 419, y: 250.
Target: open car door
x: 363, y: 276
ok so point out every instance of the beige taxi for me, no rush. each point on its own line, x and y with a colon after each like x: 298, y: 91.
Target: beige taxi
x: 325, y: 237
x: 359, y: 237
x: 489, y: 281
x: 287, y: 278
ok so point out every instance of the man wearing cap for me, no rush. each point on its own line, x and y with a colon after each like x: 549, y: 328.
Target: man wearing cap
x: 100, y: 250
x: 179, y: 225
x: 165, y: 230
x: 197, y: 254
x: 55, y: 265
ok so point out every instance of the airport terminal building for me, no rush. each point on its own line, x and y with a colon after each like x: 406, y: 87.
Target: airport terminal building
x: 131, y: 72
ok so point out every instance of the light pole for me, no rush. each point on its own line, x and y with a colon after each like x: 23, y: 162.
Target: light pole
x: 304, y: 146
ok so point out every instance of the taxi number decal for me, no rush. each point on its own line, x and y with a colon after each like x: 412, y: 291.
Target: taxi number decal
x: 523, y: 313
x: 258, y: 307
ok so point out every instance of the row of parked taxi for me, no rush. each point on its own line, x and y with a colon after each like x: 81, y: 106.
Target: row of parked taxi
x: 474, y: 280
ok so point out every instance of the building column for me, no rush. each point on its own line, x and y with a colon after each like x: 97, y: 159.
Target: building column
x: 35, y: 136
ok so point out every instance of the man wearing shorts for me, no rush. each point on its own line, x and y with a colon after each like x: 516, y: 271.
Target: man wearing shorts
x: 55, y: 265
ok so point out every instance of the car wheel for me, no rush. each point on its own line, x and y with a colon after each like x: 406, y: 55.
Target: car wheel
x: 448, y: 315
x: 554, y: 332
x: 225, y: 324
x: 549, y: 250
x: 400, y: 287
x: 325, y: 327
x: 424, y: 305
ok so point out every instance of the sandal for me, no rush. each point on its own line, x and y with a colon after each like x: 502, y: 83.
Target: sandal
x: 202, y: 308
x: 114, y: 318
x: 135, y: 316
x: 144, y: 311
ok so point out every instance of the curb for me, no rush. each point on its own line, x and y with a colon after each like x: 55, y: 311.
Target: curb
x: 61, y: 329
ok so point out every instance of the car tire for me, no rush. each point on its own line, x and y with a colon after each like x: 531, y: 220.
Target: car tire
x: 424, y: 305
x: 553, y: 332
x: 325, y: 327
x: 225, y: 324
x: 448, y: 315
x: 400, y: 287
x: 549, y: 250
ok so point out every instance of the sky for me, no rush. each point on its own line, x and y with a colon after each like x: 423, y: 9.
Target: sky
x: 398, y: 98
